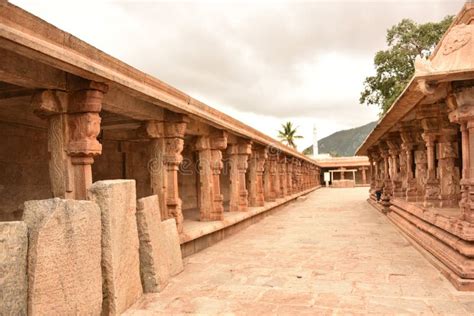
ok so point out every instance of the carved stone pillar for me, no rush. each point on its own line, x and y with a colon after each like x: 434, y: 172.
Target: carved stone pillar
x: 175, y: 128
x: 429, y: 118
x: 432, y: 190
x: 408, y: 145
x: 449, y: 177
x: 166, y: 145
x: 387, y: 183
x: 461, y: 106
x: 238, y: 160
x: 256, y: 172
x: 371, y: 170
x: 269, y: 175
x: 289, y: 176
x: 210, y: 148
x: 73, y: 127
x: 283, y: 181
x: 276, y: 175
x: 395, y: 166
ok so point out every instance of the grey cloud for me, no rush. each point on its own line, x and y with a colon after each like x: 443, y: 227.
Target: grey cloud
x: 246, y: 56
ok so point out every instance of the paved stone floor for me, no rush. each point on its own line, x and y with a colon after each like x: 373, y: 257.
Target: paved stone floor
x: 329, y: 254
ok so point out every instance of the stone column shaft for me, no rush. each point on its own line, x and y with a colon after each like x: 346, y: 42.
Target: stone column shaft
x: 256, y: 172
x: 210, y: 165
x: 74, y: 124
x: 238, y: 159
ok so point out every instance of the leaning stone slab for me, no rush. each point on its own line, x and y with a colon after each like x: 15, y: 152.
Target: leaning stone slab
x: 160, y: 254
x: 170, y: 239
x: 120, y: 256
x: 64, y: 271
x: 13, y: 278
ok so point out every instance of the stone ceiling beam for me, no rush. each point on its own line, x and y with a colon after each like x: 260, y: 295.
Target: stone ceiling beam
x: 24, y: 72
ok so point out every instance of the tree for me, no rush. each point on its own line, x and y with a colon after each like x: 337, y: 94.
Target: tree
x: 288, y: 134
x: 395, y: 66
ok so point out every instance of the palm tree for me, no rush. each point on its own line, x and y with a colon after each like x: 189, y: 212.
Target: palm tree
x: 288, y: 134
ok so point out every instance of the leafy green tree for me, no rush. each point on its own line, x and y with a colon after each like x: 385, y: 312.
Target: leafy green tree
x: 287, y: 134
x: 395, y: 66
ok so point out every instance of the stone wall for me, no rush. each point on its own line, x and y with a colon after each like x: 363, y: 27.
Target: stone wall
x: 24, y: 173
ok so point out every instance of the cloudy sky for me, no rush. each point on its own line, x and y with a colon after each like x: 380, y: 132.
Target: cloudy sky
x: 262, y: 62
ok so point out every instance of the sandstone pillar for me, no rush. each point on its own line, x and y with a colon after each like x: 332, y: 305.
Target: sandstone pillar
x: 73, y: 127
x: 387, y: 183
x: 211, y: 206
x: 166, y: 145
x: 283, y: 181
x: 449, y: 178
x: 269, y: 174
x: 238, y: 160
x: 255, y: 181
x: 289, y: 176
x: 408, y: 145
x: 465, y: 180
x: 364, y: 175
x: 461, y: 107
x: 432, y: 184
x: 395, y: 166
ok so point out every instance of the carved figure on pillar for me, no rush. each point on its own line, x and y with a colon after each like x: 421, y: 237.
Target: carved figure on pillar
x: 387, y: 187
x: 238, y: 154
x: 256, y: 172
x: 395, y: 166
x: 74, y: 125
x: 166, y: 146
x: 432, y: 190
x: 210, y: 148
x: 461, y: 107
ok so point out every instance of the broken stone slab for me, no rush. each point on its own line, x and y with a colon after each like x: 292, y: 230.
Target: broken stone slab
x: 153, y: 270
x: 64, y: 256
x: 160, y: 253
x: 120, y: 255
x: 170, y: 238
x: 13, y: 277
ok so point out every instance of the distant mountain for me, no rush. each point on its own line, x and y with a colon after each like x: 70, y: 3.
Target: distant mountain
x: 343, y: 143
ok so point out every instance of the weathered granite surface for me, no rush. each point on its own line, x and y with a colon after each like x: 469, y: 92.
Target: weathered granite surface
x: 13, y: 281
x: 64, y: 272
x: 120, y: 256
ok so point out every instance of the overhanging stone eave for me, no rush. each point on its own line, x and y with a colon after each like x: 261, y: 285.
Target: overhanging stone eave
x: 406, y: 102
x: 56, y: 51
x: 448, y: 76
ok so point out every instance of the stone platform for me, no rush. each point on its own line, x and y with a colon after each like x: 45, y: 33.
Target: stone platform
x: 314, y: 257
x: 199, y: 235
x: 445, y: 237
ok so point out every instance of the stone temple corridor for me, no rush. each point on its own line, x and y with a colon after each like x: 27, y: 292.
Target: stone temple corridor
x: 328, y: 253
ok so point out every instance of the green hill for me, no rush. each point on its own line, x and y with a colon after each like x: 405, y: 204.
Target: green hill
x: 343, y: 143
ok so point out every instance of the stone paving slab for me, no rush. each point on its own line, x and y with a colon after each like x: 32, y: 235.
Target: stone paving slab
x: 330, y: 254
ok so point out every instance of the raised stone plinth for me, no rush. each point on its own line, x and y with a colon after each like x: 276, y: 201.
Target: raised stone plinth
x: 343, y: 183
x: 160, y: 253
x: 64, y: 271
x: 120, y: 256
x: 13, y: 278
